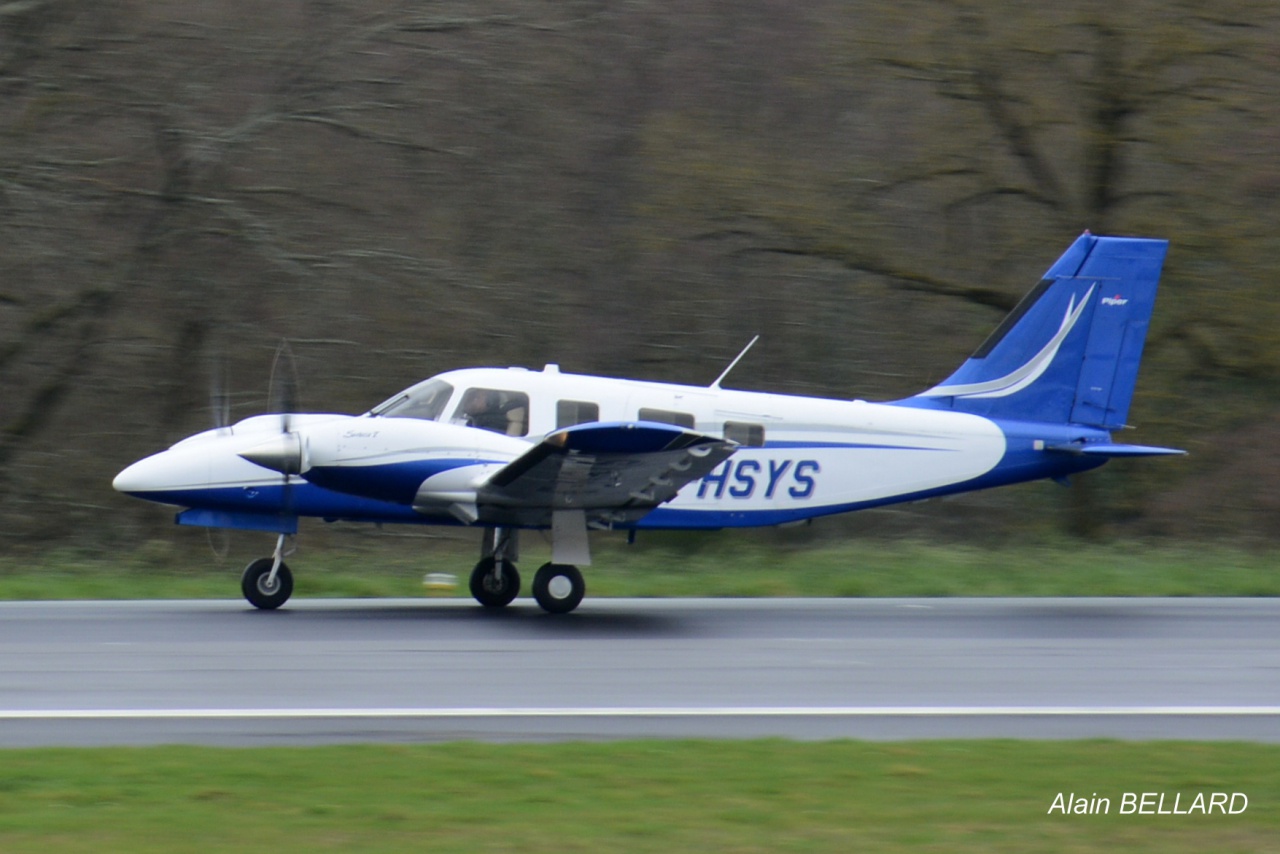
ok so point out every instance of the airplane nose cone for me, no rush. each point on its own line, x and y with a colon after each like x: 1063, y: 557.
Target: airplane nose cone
x: 143, y: 476
x: 130, y: 479
x: 158, y: 475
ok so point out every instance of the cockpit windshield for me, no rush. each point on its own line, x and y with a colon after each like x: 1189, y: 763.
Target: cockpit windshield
x: 425, y: 401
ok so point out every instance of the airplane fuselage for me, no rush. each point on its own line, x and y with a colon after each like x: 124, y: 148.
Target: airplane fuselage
x: 796, y: 457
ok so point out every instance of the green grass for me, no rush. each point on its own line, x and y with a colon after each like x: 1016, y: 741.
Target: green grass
x: 755, y: 796
x: 719, y: 565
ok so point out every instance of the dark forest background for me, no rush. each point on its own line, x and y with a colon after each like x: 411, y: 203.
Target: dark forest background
x: 630, y: 188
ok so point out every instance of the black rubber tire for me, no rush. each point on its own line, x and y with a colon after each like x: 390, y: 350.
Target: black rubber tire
x: 491, y: 594
x: 253, y: 584
x: 548, y: 587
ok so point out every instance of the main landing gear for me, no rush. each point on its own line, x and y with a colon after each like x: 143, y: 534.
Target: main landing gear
x: 558, y: 588
x: 495, y: 583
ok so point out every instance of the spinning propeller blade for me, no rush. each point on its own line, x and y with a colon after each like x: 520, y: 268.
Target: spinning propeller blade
x: 282, y: 398
x: 219, y: 542
x: 220, y: 416
x: 282, y: 392
x: 219, y: 396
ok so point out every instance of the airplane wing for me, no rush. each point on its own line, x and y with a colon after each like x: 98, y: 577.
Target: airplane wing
x: 613, y: 471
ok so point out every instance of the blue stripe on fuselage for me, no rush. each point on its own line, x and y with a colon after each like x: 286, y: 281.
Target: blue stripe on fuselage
x: 771, y: 444
x: 394, y: 482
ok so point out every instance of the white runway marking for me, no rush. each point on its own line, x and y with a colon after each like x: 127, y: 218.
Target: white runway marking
x: 644, y: 712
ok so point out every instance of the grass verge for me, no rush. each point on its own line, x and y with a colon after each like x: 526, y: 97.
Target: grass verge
x: 724, y: 565
x: 753, y: 796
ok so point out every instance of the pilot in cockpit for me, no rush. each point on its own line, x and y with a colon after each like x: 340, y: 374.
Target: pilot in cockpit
x: 482, y: 408
x: 485, y: 408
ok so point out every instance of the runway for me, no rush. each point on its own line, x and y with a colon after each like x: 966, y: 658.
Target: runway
x: 325, y: 671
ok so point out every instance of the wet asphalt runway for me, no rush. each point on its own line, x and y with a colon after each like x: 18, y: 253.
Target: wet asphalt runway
x: 322, y: 671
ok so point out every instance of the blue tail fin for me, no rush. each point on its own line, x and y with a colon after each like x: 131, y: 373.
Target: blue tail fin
x: 1069, y: 352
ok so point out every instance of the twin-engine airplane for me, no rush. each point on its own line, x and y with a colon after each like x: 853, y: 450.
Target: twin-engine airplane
x: 512, y: 449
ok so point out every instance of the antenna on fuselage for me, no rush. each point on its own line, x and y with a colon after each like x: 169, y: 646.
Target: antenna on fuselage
x: 734, y: 363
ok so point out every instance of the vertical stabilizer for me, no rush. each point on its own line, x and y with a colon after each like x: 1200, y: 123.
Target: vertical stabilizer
x: 1069, y: 352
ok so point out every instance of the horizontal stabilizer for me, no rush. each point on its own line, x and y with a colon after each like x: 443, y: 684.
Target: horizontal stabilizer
x: 1109, y: 449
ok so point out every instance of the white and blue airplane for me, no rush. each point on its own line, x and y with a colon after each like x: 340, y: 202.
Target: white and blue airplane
x: 510, y: 449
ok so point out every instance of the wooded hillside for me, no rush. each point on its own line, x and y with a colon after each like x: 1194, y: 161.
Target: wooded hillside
x: 400, y: 188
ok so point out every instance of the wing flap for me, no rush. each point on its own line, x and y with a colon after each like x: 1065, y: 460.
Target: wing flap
x: 620, y: 466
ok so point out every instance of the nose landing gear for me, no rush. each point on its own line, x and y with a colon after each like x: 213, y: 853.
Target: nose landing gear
x: 267, y: 583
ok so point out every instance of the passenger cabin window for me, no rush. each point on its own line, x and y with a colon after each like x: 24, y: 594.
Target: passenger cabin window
x: 570, y: 412
x: 494, y: 409
x: 426, y: 402
x: 751, y: 435
x: 666, y: 416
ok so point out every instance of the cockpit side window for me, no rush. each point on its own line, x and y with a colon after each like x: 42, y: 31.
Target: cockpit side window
x: 494, y: 409
x: 426, y: 402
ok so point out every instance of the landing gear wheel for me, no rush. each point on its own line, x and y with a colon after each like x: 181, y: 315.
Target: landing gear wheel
x: 558, y: 587
x: 261, y: 594
x: 495, y: 590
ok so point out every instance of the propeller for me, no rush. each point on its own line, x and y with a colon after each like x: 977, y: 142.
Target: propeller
x: 219, y: 396
x: 282, y: 390
x: 286, y: 454
x: 219, y: 542
x: 220, y: 415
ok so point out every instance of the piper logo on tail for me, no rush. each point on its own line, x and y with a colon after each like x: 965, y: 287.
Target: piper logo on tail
x: 1115, y: 300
